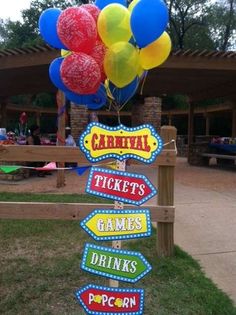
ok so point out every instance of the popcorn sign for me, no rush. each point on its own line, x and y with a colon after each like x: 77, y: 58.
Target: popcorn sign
x: 98, y: 300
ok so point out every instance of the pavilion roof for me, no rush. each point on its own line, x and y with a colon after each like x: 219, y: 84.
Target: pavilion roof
x: 201, y: 74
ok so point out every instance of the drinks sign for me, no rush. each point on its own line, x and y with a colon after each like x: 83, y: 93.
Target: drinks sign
x: 98, y: 300
x: 121, y: 186
x: 113, y: 263
x: 100, y: 142
x: 108, y: 225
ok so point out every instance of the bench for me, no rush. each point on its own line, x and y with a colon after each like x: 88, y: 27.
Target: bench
x: 222, y: 159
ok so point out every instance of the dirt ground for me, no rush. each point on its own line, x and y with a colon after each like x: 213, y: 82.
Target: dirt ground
x: 211, y: 178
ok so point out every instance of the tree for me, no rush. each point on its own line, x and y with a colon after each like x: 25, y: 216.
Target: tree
x: 26, y: 33
x: 222, y: 26
x: 188, y: 23
x: 202, y: 24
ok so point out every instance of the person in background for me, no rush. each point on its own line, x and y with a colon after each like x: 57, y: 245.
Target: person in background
x: 69, y: 142
x: 34, y: 139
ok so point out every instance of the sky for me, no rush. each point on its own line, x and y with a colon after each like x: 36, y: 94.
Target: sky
x: 12, y: 9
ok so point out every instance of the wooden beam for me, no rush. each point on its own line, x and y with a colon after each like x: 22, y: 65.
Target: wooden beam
x: 207, y: 117
x: 61, y: 102
x: 165, y: 231
x: 72, y: 211
x: 190, y: 123
x: 29, y: 109
x: 199, y: 62
x: 29, y: 153
x: 234, y: 122
x: 3, y: 114
x: 28, y: 59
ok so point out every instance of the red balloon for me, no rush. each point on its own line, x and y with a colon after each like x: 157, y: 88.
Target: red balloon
x: 81, y: 73
x: 23, y: 118
x: 77, y: 29
x: 92, y: 9
x: 98, y: 53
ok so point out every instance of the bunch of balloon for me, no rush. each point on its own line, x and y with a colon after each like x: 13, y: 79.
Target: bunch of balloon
x: 79, y: 71
x: 136, y: 41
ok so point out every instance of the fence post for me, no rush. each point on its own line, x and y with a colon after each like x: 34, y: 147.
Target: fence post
x: 165, y: 231
x: 61, y: 135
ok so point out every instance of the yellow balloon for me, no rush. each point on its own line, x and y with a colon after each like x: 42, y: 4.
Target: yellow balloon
x: 114, y: 24
x: 132, y: 5
x: 156, y: 53
x: 65, y: 53
x: 106, y: 84
x: 140, y: 71
x: 121, y: 63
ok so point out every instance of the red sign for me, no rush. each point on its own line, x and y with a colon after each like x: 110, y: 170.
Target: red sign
x: 122, y: 186
x: 99, y: 300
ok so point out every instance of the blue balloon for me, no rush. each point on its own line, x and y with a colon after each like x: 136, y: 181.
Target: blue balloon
x: 148, y: 21
x: 93, y: 101
x: 48, y: 27
x: 103, y: 3
x: 55, y: 75
x: 123, y: 95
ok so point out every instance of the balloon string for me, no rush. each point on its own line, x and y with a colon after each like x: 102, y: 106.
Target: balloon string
x: 144, y: 80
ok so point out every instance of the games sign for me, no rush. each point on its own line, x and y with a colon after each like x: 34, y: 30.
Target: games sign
x: 100, y: 142
x: 109, y: 225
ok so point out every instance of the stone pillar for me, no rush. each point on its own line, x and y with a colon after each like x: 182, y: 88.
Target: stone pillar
x: 78, y: 119
x: 147, y: 113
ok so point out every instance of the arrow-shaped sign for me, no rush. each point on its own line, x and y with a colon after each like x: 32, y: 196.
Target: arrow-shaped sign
x: 98, y: 300
x: 113, y: 263
x: 121, y: 186
x: 116, y: 224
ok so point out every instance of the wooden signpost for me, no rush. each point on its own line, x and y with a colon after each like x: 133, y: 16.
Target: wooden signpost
x: 100, y: 142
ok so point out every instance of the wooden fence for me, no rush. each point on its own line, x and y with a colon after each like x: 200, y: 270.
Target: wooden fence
x: 162, y: 213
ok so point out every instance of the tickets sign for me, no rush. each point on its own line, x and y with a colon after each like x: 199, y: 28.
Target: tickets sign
x: 105, y: 225
x: 98, y: 300
x: 100, y: 142
x: 113, y: 263
x: 121, y: 186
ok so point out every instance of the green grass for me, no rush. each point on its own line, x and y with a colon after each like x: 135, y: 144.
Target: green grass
x: 68, y: 198
x: 40, y: 270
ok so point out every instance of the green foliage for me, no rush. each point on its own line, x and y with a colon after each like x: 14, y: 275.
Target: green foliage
x: 44, y: 100
x: 175, y: 101
x: 26, y: 33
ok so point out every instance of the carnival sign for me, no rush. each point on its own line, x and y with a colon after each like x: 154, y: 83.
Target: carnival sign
x: 100, y: 142
x: 113, y: 263
x: 98, y: 300
x: 121, y: 186
x: 106, y: 225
